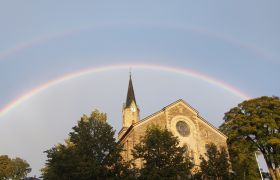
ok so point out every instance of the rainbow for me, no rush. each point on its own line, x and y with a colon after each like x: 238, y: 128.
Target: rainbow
x: 219, y: 36
x: 67, y: 77
x: 35, y: 42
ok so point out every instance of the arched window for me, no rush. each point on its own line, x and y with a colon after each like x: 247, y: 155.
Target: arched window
x: 186, y: 150
x: 207, y: 146
x: 127, y: 149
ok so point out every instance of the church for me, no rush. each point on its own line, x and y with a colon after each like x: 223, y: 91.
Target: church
x: 192, y: 130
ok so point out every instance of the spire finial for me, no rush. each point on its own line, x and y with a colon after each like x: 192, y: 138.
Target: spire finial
x: 130, y: 72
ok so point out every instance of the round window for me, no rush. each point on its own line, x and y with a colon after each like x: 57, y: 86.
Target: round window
x: 182, y: 128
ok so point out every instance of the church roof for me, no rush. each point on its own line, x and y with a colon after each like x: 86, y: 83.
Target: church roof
x: 130, y: 94
x: 162, y: 110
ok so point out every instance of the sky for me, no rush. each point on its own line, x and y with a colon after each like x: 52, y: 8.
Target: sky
x: 212, y: 54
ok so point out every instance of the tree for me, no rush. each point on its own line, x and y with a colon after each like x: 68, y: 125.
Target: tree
x: 243, y: 159
x: 4, y: 164
x: 216, y: 164
x: 91, y: 152
x: 163, y: 157
x: 18, y: 168
x: 13, y: 168
x: 257, y: 121
x: 61, y: 163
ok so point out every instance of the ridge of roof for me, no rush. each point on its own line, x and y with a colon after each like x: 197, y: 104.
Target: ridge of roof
x: 171, y: 104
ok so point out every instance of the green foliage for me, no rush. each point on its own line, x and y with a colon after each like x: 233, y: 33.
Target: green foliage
x: 91, y: 152
x: 243, y: 159
x: 13, y: 168
x: 162, y: 155
x: 216, y: 164
x: 256, y: 122
x: 4, y: 166
x: 61, y: 163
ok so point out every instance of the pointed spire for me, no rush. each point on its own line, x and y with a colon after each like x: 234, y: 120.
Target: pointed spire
x: 130, y: 93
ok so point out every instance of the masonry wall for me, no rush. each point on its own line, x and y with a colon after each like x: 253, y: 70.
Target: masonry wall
x: 201, y: 132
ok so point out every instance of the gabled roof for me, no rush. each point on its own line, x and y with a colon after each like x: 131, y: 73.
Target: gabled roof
x: 130, y: 94
x: 162, y: 110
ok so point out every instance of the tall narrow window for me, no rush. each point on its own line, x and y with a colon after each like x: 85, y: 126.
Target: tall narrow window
x: 207, y: 146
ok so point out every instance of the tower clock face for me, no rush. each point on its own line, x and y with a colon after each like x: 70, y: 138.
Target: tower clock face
x: 183, y: 128
x: 133, y: 109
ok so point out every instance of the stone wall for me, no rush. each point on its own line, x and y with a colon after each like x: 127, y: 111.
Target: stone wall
x: 200, y: 131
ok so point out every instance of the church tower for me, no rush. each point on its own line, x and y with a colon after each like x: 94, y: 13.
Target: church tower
x: 130, y: 109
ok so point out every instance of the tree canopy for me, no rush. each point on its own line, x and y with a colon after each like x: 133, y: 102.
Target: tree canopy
x: 162, y: 156
x: 13, y: 168
x: 243, y: 159
x: 216, y: 164
x: 90, y: 152
x: 257, y: 122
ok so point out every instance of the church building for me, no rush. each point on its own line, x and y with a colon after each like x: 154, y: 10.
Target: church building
x: 192, y: 130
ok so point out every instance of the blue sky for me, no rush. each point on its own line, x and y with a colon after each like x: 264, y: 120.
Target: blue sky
x: 236, y: 42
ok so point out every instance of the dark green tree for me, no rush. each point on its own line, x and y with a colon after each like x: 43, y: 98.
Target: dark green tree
x: 257, y: 121
x: 216, y: 164
x: 162, y: 156
x: 91, y: 152
x: 13, y: 168
x: 243, y: 160
x: 61, y: 163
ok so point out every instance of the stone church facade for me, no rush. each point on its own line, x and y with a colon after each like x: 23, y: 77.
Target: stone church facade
x: 179, y: 117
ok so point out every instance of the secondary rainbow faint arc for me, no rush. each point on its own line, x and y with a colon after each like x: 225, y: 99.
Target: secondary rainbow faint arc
x: 225, y: 38
x: 183, y: 71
